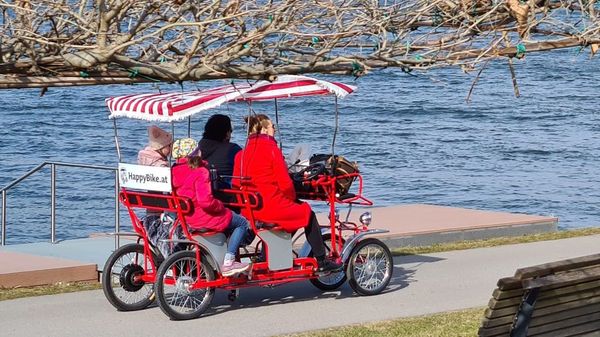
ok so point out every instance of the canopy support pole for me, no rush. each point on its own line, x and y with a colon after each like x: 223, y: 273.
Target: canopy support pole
x: 173, y: 135
x: 189, y: 126
x: 117, y: 139
x: 277, y: 124
x: 335, y: 130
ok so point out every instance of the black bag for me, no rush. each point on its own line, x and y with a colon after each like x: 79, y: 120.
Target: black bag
x: 337, y: 166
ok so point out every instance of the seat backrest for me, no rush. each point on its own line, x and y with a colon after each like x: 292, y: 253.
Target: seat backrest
x: 155, y: 201
x: 279, y: 248
x: 216, y: 244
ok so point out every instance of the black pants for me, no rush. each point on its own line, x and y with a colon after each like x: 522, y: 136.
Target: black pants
x: 314, y: 238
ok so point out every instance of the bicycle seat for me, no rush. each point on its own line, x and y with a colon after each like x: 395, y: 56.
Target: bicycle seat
x: 266, y: 225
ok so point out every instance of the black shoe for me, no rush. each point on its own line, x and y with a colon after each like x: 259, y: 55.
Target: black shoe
x: 327, y: 265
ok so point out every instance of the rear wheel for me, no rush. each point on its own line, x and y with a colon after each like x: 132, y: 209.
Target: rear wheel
x: 121, y: 278
x: 370, y: 267
x: 330, y: 281
x: 174, y: 281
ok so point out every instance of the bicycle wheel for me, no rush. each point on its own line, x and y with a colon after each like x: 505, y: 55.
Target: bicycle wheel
x: 121, y: 278
x: 330, y: 281
x: 174, y: 282
x: 370, y: 267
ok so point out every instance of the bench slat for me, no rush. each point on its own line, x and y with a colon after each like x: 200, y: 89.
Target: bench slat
x: 509, y: 283
x: 585, y: 329
x: 554, y: 319
x: 545, y: 293
x: 549, y: 327
x: 558, y: 266
x: 494, y: 333
x: 540, y: 322
x: 584, y: 297
x: 579, y: 275
x: 507, y: 316
x: 499, y: 294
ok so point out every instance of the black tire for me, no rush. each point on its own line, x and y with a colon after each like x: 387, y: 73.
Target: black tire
x: 370, y: 267
x: 119, y: 275
x: 331, y: 281
x: 174, y: 276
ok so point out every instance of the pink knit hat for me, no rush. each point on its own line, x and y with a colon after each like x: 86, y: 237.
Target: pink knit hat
x: 158, y: 138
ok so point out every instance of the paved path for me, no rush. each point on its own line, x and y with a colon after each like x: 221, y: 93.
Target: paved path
x: 422, y: 284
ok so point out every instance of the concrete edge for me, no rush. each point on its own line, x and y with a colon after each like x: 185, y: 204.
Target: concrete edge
x: 83, y: 273
x: 428, y: 238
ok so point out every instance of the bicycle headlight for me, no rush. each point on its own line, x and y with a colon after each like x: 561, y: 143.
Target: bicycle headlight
x: 366, y: 218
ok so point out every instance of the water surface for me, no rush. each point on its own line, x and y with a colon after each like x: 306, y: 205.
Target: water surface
x: 415, y: 137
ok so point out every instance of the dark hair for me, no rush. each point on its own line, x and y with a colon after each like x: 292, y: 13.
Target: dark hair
x: 216, y: 127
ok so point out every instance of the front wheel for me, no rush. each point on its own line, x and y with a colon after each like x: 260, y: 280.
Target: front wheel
x: 121, y: 278
x: 370, y: 267
x: 175, y: 282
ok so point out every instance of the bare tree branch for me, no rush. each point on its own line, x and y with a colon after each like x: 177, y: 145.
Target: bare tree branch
x: 85, y: 42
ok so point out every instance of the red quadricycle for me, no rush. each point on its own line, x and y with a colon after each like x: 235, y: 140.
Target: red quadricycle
x: 184, y: 282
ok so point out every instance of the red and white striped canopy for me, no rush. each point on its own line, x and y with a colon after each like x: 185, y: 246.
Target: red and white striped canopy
x: 179, y: 105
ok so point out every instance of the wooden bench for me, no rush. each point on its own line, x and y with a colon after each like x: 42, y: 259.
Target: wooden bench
x: 556, y: 299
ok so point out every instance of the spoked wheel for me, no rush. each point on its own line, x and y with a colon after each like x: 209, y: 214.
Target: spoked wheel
x: 370, y: 267
x: 121, y: 278
x: 174, y: 286
x: 330, y: 281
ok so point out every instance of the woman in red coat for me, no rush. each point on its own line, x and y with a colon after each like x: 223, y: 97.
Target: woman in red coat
x: 263, y: 162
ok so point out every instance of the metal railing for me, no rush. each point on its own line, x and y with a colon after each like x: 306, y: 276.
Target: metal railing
x: 53, y: 166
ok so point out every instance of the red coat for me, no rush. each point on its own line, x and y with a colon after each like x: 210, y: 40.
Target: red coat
x: 208, y: 212
x: 263, y: 161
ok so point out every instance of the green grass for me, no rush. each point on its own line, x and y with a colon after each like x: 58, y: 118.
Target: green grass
x: 461, y: 245
x: 58, y: 288
x: 464, y: 323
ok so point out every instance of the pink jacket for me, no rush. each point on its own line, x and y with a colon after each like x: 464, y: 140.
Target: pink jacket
x: 208, y: 212
x: 150, y: 157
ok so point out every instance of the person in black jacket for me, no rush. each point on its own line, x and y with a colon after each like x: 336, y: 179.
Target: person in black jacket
x: 217, y: 149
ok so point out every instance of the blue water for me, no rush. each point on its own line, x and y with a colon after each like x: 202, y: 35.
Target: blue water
x: 415, y: 137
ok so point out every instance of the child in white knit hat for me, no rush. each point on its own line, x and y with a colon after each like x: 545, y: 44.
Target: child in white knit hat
x: 159, y: 148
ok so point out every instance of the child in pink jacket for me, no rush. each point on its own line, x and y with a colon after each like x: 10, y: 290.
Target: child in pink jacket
x: 191, y: 179
x: 158, y: 149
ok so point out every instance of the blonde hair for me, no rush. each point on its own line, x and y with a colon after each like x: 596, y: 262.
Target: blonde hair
x: 256, y: 123
x: 194, y: 162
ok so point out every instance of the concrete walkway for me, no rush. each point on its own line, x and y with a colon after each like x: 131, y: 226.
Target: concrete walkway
x: 422, y: 284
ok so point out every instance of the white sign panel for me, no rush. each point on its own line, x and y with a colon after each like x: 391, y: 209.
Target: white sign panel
x: 141, y: 177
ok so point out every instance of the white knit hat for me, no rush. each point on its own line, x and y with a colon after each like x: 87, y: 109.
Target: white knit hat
x: 158, y: 138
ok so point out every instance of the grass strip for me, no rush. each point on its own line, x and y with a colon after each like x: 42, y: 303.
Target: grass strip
x: 470, y: 244
x: 58, y: 288
x: 463, y: 323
